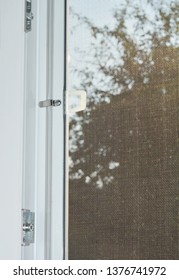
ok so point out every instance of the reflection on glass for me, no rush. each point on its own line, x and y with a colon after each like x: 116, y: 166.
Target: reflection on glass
x: 124, y: 162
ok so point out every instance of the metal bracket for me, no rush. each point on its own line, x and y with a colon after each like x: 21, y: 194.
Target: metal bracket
x: 28, y: 15
x: 49, y: 102
x: 28, y: 223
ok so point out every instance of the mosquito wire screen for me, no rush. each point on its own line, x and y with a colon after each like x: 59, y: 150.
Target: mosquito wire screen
x: 124, y: 151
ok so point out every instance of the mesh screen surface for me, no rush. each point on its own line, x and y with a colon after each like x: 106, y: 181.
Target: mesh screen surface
x: 124, y: 163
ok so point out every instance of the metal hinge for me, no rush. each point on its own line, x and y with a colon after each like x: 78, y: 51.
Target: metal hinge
x: 28, y: 223
x: 28, y: 15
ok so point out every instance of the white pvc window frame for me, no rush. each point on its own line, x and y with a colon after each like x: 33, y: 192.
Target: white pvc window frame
x: 49, y: 184
x: 43, y: 189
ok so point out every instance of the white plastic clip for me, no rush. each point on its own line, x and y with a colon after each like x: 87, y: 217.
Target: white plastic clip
x: 77, y: 101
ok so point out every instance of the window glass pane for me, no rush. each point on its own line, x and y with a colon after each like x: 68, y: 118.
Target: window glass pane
x: 124, y: 163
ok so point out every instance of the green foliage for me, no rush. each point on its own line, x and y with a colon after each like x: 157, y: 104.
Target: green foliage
x: 128, y: 76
